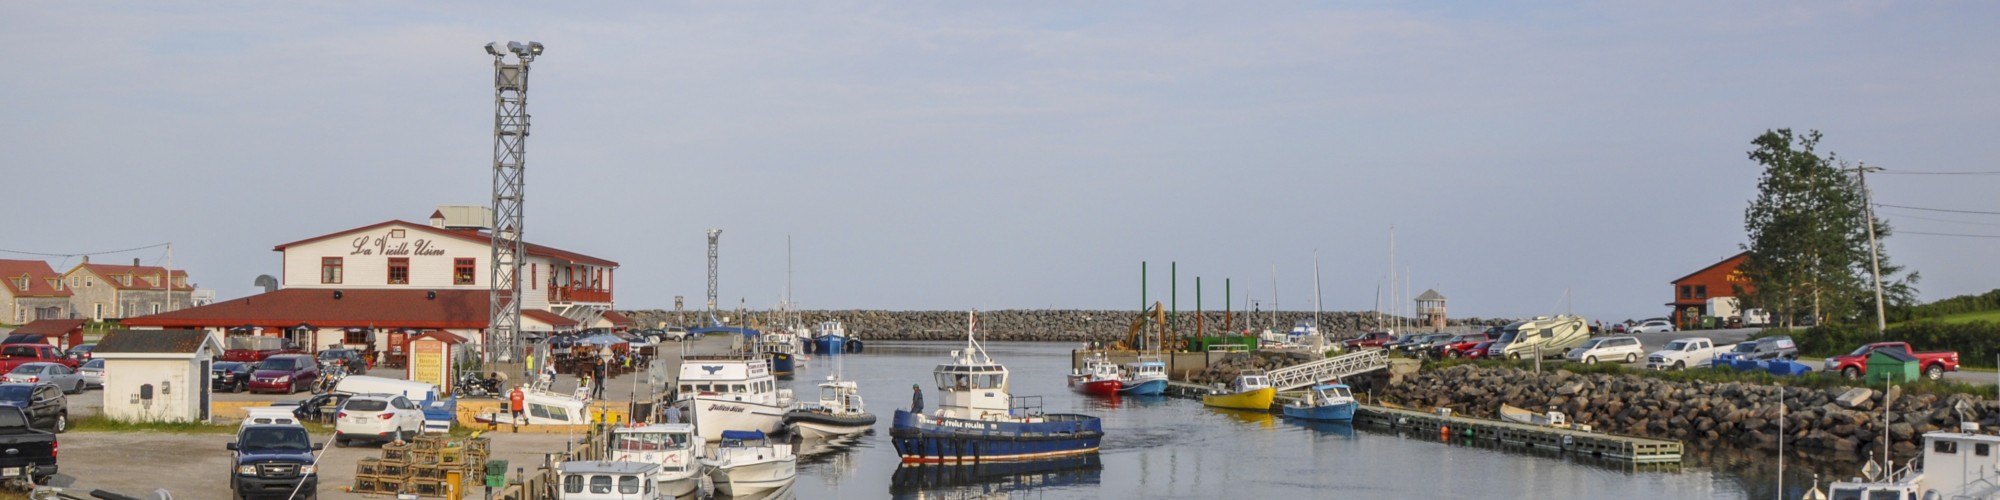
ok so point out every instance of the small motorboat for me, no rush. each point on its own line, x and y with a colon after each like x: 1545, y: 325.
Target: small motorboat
x: 597, y: 480
x: 1327, y: 402
x: 1146, y: 377
x: 1553, y: 418
x: 1097, y: 377
x: 747, y: 463
x: 1251, y: 391
x: 672, y: 446
x: 838, y: 413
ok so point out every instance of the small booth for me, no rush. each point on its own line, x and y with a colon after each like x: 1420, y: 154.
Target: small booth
x: 1891, y: 365
x: 157, y: 375
x: 398, y: 355
x: 432, y: 356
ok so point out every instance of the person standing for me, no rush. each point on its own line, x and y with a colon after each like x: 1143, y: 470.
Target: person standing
x: 597, y: 382
x: 673, y: 414
x: 917, y: 399
x: 517, y: 401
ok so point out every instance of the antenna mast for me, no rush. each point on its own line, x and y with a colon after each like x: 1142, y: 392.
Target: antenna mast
x: 510, y: 154
x: 714, y: 237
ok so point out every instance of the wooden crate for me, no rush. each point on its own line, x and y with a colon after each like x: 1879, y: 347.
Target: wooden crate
x: 396, y: 451
x: 427, y: 487
x: 427, y: 472
x: 389, y: 485
x: 368, y: 467
x: 392, y: 468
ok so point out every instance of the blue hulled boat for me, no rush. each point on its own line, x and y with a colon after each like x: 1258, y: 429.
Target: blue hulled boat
x: 829, y: 338
x: 977, y: 420
x: 1328, y: 402
x: 1147, y: 377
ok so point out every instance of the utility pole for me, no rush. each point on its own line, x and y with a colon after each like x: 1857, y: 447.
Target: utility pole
x: 1874, y: 249
x: 510, y: 152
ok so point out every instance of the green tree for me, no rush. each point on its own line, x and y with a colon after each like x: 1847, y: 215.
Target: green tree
x: 1808, y: 230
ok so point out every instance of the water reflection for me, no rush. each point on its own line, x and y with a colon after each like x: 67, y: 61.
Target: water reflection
x: 1340, y: 429
x: 924, y: 480
x: 1260, y: 418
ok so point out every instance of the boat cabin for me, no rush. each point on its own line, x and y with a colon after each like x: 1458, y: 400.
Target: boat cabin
x: 971, y: 387
x: 1329, y: 394
x: 591, y: 480
x: 672, y: 445
x: 1146, y: 367
x: 729, y: 378
x: 1250, y: 380
x: 839, y: 397
x: 1962, y: 464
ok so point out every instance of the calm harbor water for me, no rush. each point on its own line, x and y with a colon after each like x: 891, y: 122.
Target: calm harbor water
x: 1160, y: 447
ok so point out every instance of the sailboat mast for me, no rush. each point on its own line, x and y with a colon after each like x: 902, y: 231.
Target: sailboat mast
x: 1318, y: 331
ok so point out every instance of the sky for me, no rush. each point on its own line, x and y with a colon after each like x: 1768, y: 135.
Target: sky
x: 1009, y: 155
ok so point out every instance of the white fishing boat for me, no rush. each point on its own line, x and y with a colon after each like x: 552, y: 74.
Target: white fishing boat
x: 674, y: 447
x: 747, y: 463
x: 608, y: 480
x: 1955, y: 465
x: 732, y: 392
x: 839, y: 412
x: 542, y: 408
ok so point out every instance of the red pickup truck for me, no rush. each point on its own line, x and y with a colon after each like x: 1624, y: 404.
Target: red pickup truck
x: 1855, y: 364
x: 13, y: 355
x: 1369, y: 340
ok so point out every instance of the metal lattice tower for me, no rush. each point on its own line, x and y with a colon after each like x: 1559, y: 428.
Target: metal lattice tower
x: 714, y: 236
x: 510, y: 155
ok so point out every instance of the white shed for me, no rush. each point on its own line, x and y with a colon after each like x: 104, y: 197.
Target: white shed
x: 157, y: 375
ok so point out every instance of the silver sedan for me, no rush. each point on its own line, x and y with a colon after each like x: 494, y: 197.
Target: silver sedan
x: 92, y: 372
x: 47, y: 373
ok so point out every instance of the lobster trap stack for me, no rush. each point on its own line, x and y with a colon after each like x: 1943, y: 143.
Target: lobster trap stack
x: 422, y: 466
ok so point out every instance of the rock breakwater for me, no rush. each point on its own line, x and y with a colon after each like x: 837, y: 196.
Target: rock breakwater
x: 1068, y: 325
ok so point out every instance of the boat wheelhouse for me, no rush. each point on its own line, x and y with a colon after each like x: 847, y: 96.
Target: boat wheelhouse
x: 830, y: 337
x: 1145, y: 377
x: 731, y: 392
x: 595, y: 480
x: 839, y: 412
x: 1098, y: 377
x: 1325, y: 402
x: 674, y: 447
x: 1957, y: 465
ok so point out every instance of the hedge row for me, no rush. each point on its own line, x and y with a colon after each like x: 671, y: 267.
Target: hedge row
x: 1977, y: 342
x: 1956, y: 305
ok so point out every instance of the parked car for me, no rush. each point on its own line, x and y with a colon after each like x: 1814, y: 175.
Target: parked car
x: 377, y: 417
x: 1619, y: 328
x: 93, y: 373
x: 1688, y: 352
x: 54, y: 373
x: 273, y: 460
x: 1553, y: 337
x: 348, y: 359
x: 287, y: 373
x: 253, y: 348
x: 229, y: 376
x: 1478, y: 351
x: 675, y: 333
x: 1626, y: 349
x: 1655, y: 325
x: 30, y: 451
x: 1456, y: 346
x: 45, y: 405
x: 81, y: 353
x: 1778, y: 347
x: 1368, y: 340
x: 319, y: 408
x: 1855, y: 364
x: 12, y: 355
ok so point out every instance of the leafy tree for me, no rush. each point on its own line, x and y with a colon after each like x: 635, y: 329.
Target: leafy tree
x: 1809, y: 236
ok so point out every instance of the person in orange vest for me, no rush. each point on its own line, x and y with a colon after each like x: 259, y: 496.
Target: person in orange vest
x: 516, y: 402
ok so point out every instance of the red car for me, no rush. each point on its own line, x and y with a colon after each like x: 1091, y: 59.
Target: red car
x: 13, y: 355
x: 1478, y: 351
x: 286, y: 373
x: 1457, y: 346
x: 1855, y: 364
x: 1368, y: 340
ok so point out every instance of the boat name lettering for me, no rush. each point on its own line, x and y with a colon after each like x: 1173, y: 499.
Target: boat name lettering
x: 729, y: 408
x: 380, y: 246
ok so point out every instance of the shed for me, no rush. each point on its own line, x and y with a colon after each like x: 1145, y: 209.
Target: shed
x: 432, y: 357
x: 157, y: 375
x: 63, y: 333
x: 1892, y: 365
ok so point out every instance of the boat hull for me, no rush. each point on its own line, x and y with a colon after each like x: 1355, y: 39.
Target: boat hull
x: 754, y: 478
x: 924, y: 439
x: 821, y: 425
x: 712, y: 416
x: 1096, y: 387
x: 782, y: 364
x: 1258, y: 399
x: 1342, y: 412
x: 1147, y: 388
x: 829, y: 344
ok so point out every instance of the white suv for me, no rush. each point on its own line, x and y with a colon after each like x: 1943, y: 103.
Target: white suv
x: 1626, y: 349
x: 377, y: 417
x: 1653, y: 326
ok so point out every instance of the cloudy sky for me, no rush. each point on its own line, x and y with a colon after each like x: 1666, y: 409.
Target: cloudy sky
x: 953, y: 155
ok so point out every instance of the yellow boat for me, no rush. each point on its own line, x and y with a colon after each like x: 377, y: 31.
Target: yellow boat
x: 1252, y: 391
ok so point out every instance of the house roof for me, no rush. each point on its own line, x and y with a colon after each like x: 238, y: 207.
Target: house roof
x: 38, y: 273
x: 50, y: 327
x: 139, y: 275
x: 548, y: 318
x: 1431, y: 294
x: 473, y: 236
x: 1732, y: 258
x: 617, y: 319
x: 151, y: 341
x: 375, y: 308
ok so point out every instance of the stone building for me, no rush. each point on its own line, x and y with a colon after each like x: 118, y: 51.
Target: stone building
x: 106, y: 291
x: 31, y: 290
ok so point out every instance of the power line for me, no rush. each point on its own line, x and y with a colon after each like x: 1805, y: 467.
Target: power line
x: 1907, y: 216
x: 1937, y: 209
x: 1951, y: 234
x: 1906, y: 172
x: 3, y: 250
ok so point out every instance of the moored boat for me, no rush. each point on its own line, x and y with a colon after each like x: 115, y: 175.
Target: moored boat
x: 978, y: 420
x: 838, y: 413
x: 598, y: 480
x: 1251, y: 391
x: 674, y: 447
x: 1097, y: 377
x: 829, y: 338
x: 1327, y: 402
x: 1952, y: 468
x: 781, y: 348
x: 1553, y: 418
x: 731, y: 392
x: 1145, y: 377
x: 747, y: 462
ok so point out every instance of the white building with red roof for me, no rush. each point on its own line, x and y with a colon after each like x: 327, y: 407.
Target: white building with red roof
x: 31, y: 290
x: 376, y: 286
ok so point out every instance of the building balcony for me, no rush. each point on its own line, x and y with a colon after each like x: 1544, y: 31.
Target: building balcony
x: 579, y: 294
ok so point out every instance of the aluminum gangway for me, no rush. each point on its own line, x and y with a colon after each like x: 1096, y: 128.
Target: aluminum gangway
x: 1334, y: 368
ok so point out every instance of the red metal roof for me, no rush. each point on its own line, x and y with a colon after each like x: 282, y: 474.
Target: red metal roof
x: 50, y: 327
x: 473, y: 236
x: 108, y: 272
x: 552, y: 319
x: 1733, y: 259
x: 617, y: 319
x: 38, y: 273
x: 316, y: 306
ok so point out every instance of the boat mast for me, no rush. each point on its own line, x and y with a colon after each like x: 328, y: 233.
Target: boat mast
x: 1318, y: 332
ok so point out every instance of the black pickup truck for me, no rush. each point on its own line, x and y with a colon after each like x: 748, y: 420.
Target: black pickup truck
x: 25, y: 452
x: 273, y: 461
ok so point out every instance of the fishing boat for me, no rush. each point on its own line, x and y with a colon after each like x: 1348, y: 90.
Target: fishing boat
x: 781, y: 348
x: 1145, y: 377
x: 1251, y: 391
x: 674, y: 447
x: 1552, y: 418
x: 1326, y: 402
x: 1097, y: 377
x: 978, y: 420
x: 609, y: 480
x: 839, y: 412
x: 1952, y: 468
x: 748, y: 462
x: 543, y: 408
x: 732, y: 392
x: 830, y: 337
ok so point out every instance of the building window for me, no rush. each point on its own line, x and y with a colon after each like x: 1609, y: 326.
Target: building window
x: 356, y: 336
x: 534, y: 271
x: 331, y: 269
x: 1701, y: 291
x: 156, y: 308
x: 461, y: 271
x: 97, y: 311
x: 399, y: 270
x: 21, y: 283
x: 396, y: 234
x: 1687, y: 292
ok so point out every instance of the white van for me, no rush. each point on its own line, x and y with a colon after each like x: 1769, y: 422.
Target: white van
x: 364, y: 384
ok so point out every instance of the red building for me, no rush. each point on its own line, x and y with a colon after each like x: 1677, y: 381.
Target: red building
x: 1697, y: 294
